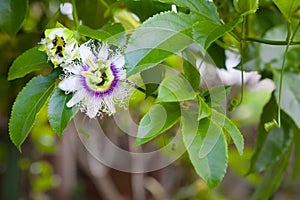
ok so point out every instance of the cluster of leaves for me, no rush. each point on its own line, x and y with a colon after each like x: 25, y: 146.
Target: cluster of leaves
x: 206, y: 129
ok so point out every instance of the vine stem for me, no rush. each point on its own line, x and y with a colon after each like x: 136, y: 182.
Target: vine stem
x: 289, y: 40
x: 271, y: 42
x: 75, y: 15
x: 242, y: 48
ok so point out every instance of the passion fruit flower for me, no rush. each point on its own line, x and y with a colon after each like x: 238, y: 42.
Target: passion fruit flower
x: 99, y: 81
x: 61, y: 45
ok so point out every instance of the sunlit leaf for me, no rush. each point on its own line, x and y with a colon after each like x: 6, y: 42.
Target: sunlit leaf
x: 204, y: 109
x: 156, y: 39
x: 205, y: 32
x: 160, y: 118
x: 152, y: 78
x: 191, y: 72
x: 174, y: 89
x: 211, y: 163
x: 287, y: 8
x: 230, y: 128
x: 204, y: 9
x: 27, y: 104
x: 31, y: 60
x: 112, y: 34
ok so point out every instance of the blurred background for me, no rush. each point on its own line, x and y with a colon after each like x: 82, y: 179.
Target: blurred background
x: 50, y: 167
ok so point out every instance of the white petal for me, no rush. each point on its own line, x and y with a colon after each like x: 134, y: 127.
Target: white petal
x: 103, y: 52
x: 56, y: 32
x: 110, y: 105
x: 92, y: 107
x: 85, y: 52
x: 71, y: 48
x: 118, y: 61
x: 78, y: 96
x: 66, y: 8
x: 75, y: 69
x: 70, y: 84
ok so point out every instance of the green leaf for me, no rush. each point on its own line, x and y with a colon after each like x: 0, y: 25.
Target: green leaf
x: 112, y: 34
x: 27, y: 104
x: 272, y: 177
x: 12, y: 15
x: 206, y: 146
x: 204, y: 109
x: 31, y: 60
x: 91, y: 13
x: 152, y: 78
x: 156, y: 39
x: 268, y: 114
x: 191, y: 72
x: 205, y: 32
x: 160, y: 118
x: 217, y: 55
x: 59, y: 114
x: 174, y: 89
x: 296, y: 171
x: 290, y: 102
x: 287, y: 8
x: 275, y: 145
x: 204, y: 9
x: 146, y: 8
x: 225, y: 123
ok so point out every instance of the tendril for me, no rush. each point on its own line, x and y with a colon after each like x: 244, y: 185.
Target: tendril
x: 289, y: 40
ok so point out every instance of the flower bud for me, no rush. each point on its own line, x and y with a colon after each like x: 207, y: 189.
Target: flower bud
x: 128, y: 19
x: 245, y: 7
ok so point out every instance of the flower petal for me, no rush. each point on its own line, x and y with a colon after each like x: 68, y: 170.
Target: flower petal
x: 75, y: 69
x: 70, y: 84
x: 85, y: 52
x: 92, y: 107
x: 110, y: 105
x: 78, y: 96
x: 118, y: 61
x: 103, y: 52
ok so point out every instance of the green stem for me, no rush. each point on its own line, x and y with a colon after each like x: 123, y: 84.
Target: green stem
x: 289, y: 40
x: 270, y: 42
x: 235, y: 36
x: 104, y: 3
x: 75, y: 15
x: 242, y: 49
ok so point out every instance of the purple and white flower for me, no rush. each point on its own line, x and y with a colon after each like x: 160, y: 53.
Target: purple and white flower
x: 98, y: 81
